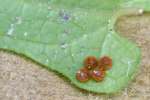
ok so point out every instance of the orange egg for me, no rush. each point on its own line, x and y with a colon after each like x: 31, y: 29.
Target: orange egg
x: 105, y: 62
x: 90, y: 62
x: 82, y: 75
x: 97, y: 74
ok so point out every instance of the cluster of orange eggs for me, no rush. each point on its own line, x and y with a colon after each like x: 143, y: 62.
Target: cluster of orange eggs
x: 94, y: 68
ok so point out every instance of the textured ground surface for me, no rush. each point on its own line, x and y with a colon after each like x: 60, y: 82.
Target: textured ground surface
x: 22, y: 79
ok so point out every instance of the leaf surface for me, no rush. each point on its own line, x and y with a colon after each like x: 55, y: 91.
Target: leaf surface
x: 59, y: 34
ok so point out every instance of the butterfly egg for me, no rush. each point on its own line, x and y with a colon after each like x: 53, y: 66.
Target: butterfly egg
x: 105, y: 62
x: 90, y: 62
x: 97, y: 74
x: 82, y: 75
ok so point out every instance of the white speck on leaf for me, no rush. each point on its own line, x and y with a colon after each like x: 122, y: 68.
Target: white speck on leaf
x: 129, y: 65
x: 55, y: 54
x: 109, y: 35
x: 25, y: 33
x: 64, y: 35
x: 81, y: 53
x: 64, y: 15
x: 49, y: 8
x: 128, y: 62
x: 19, y: 20
x: 66, y: 32
x: 10, y: 31
x: 85, y: 36
x: 47, y: 60
x: 72, y: 55
x: 64, y: 46
x: 40, y: 4
x: 113, y: 46
x: 109, y: 21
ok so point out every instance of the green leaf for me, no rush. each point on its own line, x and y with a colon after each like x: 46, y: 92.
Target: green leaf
x: 59, y: 34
